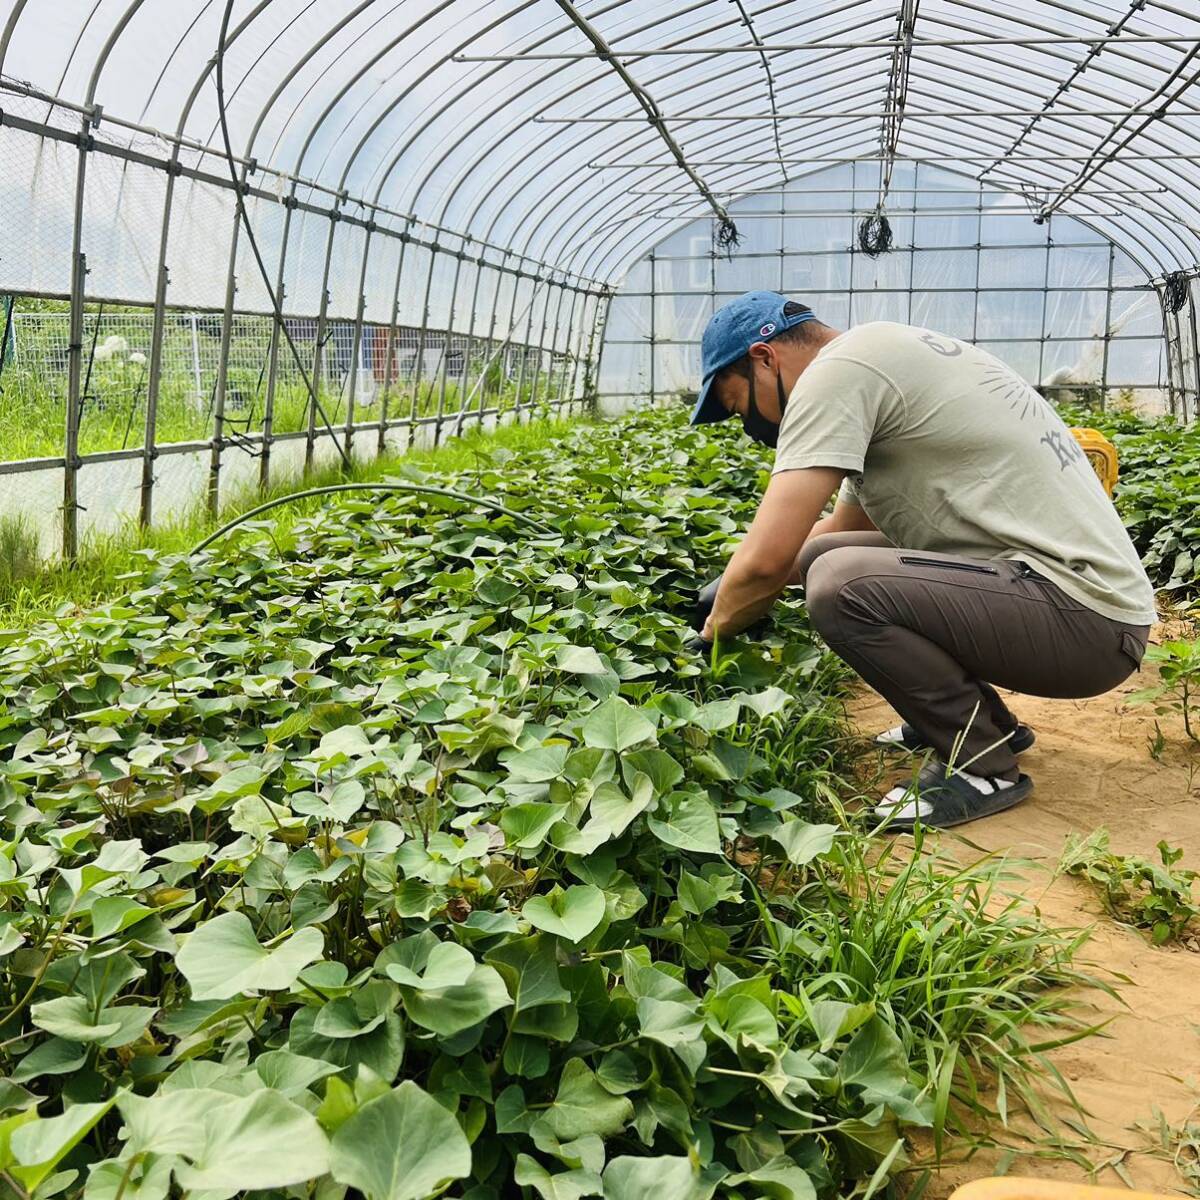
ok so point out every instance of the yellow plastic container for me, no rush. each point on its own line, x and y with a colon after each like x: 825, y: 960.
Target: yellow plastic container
x: 1101, y: 453
x: 1013, y: 1187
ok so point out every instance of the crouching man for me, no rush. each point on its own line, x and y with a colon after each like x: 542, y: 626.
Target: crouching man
x: 971, y: 545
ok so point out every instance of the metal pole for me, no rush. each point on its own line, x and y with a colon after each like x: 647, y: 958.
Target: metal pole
x: 587, y: 322
x: 592, y: 385
x: 264, y: 463
x: 978, y: 257
x: 466, y: 363
x: 70, y: 516
x: 506, y: 356
x: 534, y: 284
x: 322, y: 323
x: 1171, y: 329
x: 218, y: 439
x: 568, y: 358
x: 1189, y: 406
x: 1045, y: 306
x: 653, y: 327
x: 357, y: 339
x: 491, y: 352
x: 158, y: 332
x: 445, y: 363
x: 197, y: 378
x: 541, y: 343
x: 419, y: 363
x: 1112, y: 256
x: 390, y: 347
x: 71, y: 460
x: 537, y: 368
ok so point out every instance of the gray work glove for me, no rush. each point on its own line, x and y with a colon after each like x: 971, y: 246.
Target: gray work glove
x: 705, y: 599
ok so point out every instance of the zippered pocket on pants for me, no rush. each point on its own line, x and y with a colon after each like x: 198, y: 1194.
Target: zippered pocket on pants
x: 973, y: 568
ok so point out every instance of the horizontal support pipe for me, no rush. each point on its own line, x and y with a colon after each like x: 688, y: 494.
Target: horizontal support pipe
x: 798, y: 252
x: 896, y: 214
x: 805, y: 160
x: 930, y: 191
x: 942, y: 290
x: 873, y: 113
x: 788, y: 47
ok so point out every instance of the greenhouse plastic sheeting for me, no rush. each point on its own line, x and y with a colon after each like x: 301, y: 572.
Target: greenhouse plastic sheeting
x: 389, y: 103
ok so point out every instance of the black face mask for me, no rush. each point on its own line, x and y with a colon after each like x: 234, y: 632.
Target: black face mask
x: 758, y: 428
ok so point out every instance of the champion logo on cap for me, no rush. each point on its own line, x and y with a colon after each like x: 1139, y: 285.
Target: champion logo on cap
x: 767, y: 329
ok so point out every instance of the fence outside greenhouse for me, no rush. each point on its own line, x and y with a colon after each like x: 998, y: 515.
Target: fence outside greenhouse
x: 136, y: 404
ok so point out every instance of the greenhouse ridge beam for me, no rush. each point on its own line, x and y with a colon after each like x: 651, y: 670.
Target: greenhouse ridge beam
x: 604, y: 51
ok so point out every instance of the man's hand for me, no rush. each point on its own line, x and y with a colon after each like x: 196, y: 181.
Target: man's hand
x: 762, y: 565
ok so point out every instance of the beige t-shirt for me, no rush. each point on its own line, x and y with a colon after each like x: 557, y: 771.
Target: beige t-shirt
x: 948, y: 450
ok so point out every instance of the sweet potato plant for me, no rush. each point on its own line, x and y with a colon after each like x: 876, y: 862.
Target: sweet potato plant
x: 407, y: 851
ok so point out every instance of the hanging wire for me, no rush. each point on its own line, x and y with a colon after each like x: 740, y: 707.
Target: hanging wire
x: 727, y: 232
x: 1177, y: 291
x: 1094, y: 51
x: 1100, y: 157
x: 244, y: 217
x: 875, y: 230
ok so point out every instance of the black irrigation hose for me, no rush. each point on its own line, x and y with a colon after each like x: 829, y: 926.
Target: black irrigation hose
x: 1176, y: 291
x: 329, y: 489
x: 875, y: 235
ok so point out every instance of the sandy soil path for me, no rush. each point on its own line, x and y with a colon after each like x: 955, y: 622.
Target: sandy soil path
x: 1092, y: 766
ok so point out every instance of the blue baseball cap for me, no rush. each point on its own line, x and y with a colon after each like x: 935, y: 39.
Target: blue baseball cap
x: 729, y: 334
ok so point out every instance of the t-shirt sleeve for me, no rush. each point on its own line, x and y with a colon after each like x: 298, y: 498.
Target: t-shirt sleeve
x: 832, y: 415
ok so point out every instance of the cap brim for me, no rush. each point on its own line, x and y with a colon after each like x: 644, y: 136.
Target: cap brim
x: 708, y: 408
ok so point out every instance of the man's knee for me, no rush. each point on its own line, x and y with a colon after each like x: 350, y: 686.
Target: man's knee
x: 813, y: 549
x: 831, y: 572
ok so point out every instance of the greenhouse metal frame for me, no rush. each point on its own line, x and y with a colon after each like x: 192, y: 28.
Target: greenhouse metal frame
x: 433, y: 170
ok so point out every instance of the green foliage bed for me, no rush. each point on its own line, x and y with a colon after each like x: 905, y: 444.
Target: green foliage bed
x: 1158, y: 491
x: 407, y: 852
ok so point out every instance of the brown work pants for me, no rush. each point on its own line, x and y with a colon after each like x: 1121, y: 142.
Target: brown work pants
x: 932, y: 633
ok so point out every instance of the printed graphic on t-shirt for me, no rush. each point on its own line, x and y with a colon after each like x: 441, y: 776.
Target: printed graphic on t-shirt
x: 1005, y: 384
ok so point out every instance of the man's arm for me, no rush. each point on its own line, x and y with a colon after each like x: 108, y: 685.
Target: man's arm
x: 762, y: 565
x: 846, y: 518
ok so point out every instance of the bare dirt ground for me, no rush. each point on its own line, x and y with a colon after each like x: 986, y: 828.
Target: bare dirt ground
x: 1092, y: 766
